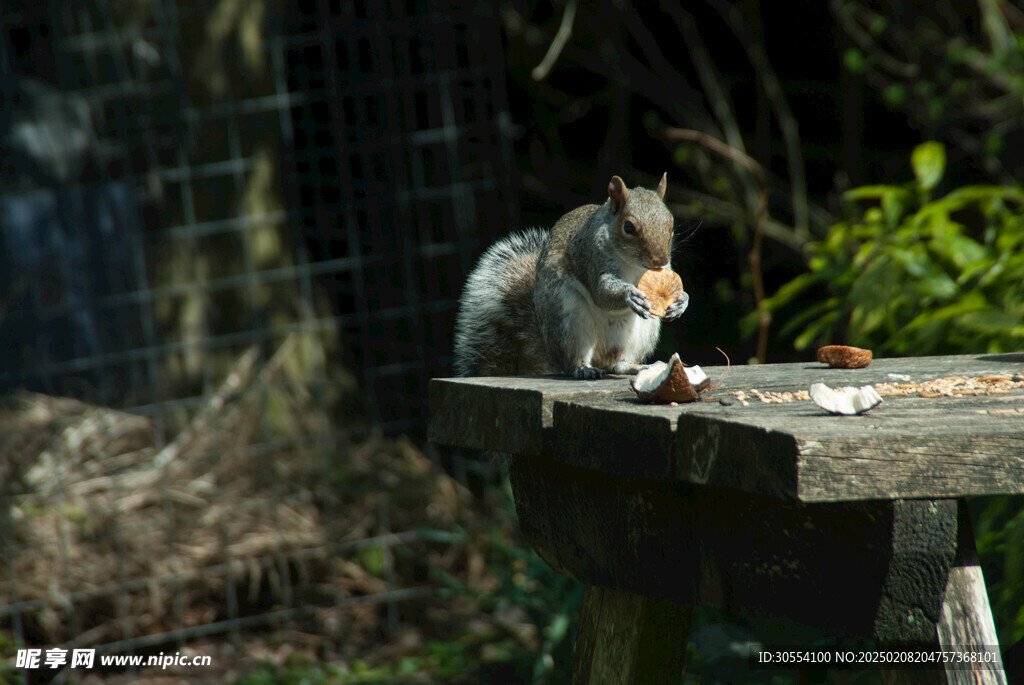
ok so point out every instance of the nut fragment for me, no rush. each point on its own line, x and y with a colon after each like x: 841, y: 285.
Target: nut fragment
x: 847, y: 401
x: 844, y: 356
x: 670, y: 382
x: 662, y: 287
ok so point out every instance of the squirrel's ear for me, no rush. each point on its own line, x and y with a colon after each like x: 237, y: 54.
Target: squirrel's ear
x: 663, y: 185
x: 618, y: 192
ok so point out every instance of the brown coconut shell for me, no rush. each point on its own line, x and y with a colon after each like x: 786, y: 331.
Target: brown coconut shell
x: 676, y: 388
x: 662, y: 287
x: 844, y: 356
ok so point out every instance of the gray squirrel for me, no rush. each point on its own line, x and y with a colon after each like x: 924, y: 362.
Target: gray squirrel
x: 565, y: 301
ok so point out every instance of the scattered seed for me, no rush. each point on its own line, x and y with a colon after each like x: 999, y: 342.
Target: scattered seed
x: 950, y: 386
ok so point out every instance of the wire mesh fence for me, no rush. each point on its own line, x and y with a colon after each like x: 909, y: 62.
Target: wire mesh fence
x: 231, y: 237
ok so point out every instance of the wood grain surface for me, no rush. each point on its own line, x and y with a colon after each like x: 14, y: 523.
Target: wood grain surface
x: 907, y: 447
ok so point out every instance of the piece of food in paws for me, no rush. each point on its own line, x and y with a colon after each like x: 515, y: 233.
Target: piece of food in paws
x: 662, y: 287
x: 844, y: 356
x: 665, y: 382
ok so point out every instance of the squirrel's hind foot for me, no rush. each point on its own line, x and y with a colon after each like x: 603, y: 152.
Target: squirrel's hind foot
x: 587, y: 373
x: 627, y: 368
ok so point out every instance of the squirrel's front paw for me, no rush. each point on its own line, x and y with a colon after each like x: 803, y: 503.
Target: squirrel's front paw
x: 676, y: 309
x: 587, y: 373
x: 638, y: 302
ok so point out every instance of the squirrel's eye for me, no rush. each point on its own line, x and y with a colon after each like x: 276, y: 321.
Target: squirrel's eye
x: 629, y: 228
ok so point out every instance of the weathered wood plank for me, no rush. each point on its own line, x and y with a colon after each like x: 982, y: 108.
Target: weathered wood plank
x: 506, y: 414
x: 906, y: 447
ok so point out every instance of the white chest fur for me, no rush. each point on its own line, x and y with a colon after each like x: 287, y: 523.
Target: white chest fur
x: 604, y: 337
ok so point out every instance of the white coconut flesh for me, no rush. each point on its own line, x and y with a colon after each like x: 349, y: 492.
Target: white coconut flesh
x: 655, y: 375
x: 848, y: 401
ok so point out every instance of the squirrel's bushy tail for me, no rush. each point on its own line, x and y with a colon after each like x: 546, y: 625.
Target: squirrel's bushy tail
x: 495, y: 331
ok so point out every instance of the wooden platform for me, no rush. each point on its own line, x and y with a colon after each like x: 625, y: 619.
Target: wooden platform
x: 847, y: 524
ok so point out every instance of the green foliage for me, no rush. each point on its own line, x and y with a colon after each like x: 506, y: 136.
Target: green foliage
x: 528, y: 588
x: 8, y: 672
x: 909, y: 274
x: 999, y: 530
x: 929, y: 163
x: 295, y: 670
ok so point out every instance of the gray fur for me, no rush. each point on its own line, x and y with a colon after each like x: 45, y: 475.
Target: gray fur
x: 566, y: 301
x: 495, y: 329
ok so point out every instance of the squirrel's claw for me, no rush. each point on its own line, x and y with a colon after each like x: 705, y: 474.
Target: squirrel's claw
x: 676, y: 309
x: 638, y: 302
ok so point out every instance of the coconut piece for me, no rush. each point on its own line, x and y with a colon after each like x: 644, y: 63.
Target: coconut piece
x: 671, y: 381
x: 844, y: 356
x: 848, y: 401
x: 662, y: 287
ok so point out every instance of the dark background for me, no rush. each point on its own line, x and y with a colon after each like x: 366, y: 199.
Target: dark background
x: 184, y: 182
x: 405, y: 137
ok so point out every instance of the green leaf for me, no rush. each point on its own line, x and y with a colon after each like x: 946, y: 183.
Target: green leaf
x: 914, y: 260
x: 855, y: 60
x: 928, y: 161
x: 960, y: 250
x: 865, y: 320
x: 816, y: 330
x: 790, y: 290
x: 937, y: 286
x: 962, y: 197
x: 869, y: 192
x: 993, y: 321
x: 984, y: 270
x: 873, y: 287
x: 895, y: 95
x: 971, y: 302
x: 750, y: 323
x: 893, y: 206
x: 809, y: 314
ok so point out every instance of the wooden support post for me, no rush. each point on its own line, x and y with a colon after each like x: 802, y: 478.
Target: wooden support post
x: 627, y: 638
x: 966, y: 618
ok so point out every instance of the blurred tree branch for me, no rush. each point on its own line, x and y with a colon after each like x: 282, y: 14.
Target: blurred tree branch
x: 772, y: 87
x: 561, y: 38
x: 957, y: 70
x: 620, y: 48
x: 754, y: 256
